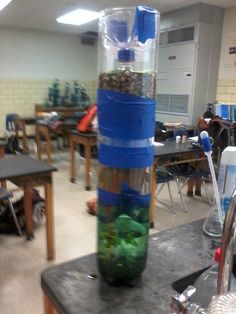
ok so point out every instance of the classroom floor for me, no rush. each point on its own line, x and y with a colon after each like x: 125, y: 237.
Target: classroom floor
x: 21, y: 261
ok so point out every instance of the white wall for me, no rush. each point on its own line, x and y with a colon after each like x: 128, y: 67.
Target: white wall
x: 227, y: 67
x: 28, y: 54
x: 31, y: 60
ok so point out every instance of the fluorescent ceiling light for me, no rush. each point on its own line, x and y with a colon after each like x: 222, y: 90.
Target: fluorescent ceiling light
x: 78, y: 17
x: 4, y: 3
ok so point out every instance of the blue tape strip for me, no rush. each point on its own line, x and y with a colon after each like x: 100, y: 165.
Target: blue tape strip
x: 125, y: 116
x: 109, y: 198
x: 124, y: 157
x: 128, y: 196
x: 206, y: 143
x: 144, y: 24
x: 131, y: 198
x: 130, y: 202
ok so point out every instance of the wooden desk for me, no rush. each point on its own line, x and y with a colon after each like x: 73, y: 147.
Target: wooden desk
x: 2, y: 153
x: 2, y: 148
x: 43, y: 130
x: 27, y: 172
x: 88, y: 140
x: 20, y: 126
x: 189, y: 129
x: 171, y: 154
x: 69, y: 289
x: 66, y: 112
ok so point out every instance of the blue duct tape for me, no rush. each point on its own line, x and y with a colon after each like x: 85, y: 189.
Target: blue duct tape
x: 127, y: 196
x: 112, y: 199
x: 125, y: 116
x: 125, y: 157
x: 144, y: 23
x: 129, y: 202
x: 206, y: 144
x: 131, y: 197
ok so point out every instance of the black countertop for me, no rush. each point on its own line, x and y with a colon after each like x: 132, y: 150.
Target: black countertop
x: 172, y: 148
x: 173, y: 254
x: 21, y: 165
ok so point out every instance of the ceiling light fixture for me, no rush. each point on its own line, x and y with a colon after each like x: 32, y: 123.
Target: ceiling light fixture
x: 78, y: 17
x: 4, y: 3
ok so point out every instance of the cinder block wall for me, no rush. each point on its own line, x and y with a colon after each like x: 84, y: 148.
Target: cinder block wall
x: 30, y: 60
x: 226, y: 92
x: 20, y: 96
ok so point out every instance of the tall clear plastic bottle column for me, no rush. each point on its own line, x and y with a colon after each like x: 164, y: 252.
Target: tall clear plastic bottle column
x: 227, y: 176
x: 126, y: 121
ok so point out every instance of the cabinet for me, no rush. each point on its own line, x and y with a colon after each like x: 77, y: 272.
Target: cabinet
x: 188, y: 63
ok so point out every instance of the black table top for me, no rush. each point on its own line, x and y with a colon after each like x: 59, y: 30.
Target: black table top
x: 173, y: 148
x: 172, y: 254
x: 182, y: 127
x: 84, y: 134
x: 17, y: 166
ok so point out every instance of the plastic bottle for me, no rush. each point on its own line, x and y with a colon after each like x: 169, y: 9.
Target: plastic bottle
x: 126, y: 120
x: 227, y: 176
x: 56, y: 92
x: 212, y: 225
x: 206, y: 284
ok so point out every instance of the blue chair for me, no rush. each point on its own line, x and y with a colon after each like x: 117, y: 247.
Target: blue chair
x: 194, y: 174
x: 189, y: 172
x: 5, y: 196
x: 164, y: 177
x: 10, y: 126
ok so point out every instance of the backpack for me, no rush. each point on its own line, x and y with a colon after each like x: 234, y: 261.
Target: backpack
x: 84, y: 125
x: 220, y: 130
x: 7, y: 224
x: 12, y: 144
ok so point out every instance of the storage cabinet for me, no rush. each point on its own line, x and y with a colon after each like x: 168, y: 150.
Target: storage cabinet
x: 188, y: 63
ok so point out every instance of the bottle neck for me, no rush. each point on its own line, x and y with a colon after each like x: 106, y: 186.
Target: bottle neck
x: 126, y: 66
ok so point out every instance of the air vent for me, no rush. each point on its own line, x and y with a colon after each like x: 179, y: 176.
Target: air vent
x: 175, y: 104
x: 177, y: 36
x: 88, y: 38
x: 178, y: 103
x: 162, y: 102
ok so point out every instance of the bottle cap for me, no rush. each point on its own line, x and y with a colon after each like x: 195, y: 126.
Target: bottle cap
x: 217, y: 255
x: 126, y: 55
x: 206, y: 143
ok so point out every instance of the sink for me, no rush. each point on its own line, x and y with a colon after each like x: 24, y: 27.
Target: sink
x: 181, y: 284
